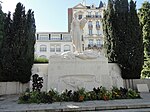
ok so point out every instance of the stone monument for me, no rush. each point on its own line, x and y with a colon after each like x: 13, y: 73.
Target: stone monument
x: 86, y: 69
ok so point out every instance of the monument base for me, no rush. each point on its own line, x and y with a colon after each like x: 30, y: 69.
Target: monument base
x: 72, y: 72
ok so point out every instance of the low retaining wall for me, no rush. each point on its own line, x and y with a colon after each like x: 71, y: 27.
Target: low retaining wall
x: 12, y: 88
x: 133, y: 83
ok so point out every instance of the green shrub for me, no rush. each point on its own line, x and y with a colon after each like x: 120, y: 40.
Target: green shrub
x: 100, y: 93
x: 40, y: 60
x: 55, y: 95
x: 131, y: 94
x: 66, y: 95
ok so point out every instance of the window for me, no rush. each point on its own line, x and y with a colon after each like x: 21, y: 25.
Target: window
x: 67, y: 37
x: 98, y: 42
x: 91, y: 42
x: 43, y: 48
x: 90, y: 26
x: 66, y: 48
x: 58, y: 48
x: 90, y: 31
x: 80, y: 17
x: 89, y: 13
x: 55, y: 37
x: 96, y: 14
x: 98, y: 32
x: 44, y: 37
x: 52, y: 48
x: 93, y: 6
x: 90, y: 23
x: 97, y: 22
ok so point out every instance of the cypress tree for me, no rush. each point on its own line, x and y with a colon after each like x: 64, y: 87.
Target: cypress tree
x: 2, y: 16
x: 134, y: 46
x: 6, y: 58
x: 109, y: 35
x: 144, y: 15
x: 19, y: 42
x: 123, y: 36
x: 30, y: 38
x: 18, y: 46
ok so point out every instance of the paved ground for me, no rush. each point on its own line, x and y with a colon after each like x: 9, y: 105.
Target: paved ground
x: 9, y: 104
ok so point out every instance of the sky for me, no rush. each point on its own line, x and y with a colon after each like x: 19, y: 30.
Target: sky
x: 51, y: 15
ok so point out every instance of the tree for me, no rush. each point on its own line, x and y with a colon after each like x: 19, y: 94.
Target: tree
x: 134, y: 45
x: 30, y: 30
x: 108, y: 29
x: 18, y: 46
x: 144, y: 15
x: 6, y: 58
x: 2, y: 16
x: 123, y: 39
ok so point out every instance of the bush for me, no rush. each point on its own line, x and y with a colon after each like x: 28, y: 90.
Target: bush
x: 40, y: 60
x: 80, y: 95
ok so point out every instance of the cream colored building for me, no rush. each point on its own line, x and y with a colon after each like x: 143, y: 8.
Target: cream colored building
x: 50, y: 43
x: 93, y: 32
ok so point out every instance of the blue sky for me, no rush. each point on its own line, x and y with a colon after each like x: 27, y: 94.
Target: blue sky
x: 50, y: 15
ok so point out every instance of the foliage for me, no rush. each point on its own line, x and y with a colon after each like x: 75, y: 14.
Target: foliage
x: 18, y: 46
x: 108, y: 29
x: 40, y: 60
x: 35, y: 97
x: 100, y: 93
x: 37, y: 83
x: 66, y: 95
x: 6, y: 58
x: 79, y: 95
x: 123, y: 38
x: 2, y: 16
x: 144, y: 15
x: 55, y: 95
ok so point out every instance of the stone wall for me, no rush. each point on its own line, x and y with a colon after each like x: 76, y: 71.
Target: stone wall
x: 115, y: 73
x: 133, y: 83
x: 12, y: 88
x: 42, y: 69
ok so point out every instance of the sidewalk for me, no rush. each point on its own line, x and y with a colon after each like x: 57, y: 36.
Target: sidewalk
x: 9, y: 104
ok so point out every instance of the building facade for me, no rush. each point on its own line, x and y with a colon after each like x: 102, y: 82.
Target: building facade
x: 92, y: 32
x: 50, y: 43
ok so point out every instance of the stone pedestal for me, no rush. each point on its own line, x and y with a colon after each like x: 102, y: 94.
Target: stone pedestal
x: 71, y: 72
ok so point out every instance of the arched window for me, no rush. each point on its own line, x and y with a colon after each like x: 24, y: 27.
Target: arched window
x: 43, y: 48
x: 52, y: 48
x: 98, y: 42
x: 67, y: 48
x: 58, y: 48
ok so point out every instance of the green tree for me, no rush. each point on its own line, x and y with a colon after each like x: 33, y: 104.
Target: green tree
x: 6, y: 58
x: 18, y: 33
x: 30, y: 30
x: 123, y: 39
x: 18, y: 46
x: 108, y: 29
x: 144, y: 15
x: 134, y: 45
x: 2, y: 16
